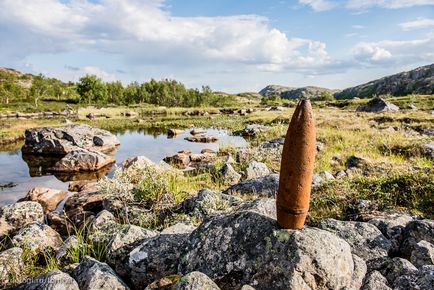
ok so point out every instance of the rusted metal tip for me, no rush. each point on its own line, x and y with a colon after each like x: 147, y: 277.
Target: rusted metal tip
x: 298, y: 156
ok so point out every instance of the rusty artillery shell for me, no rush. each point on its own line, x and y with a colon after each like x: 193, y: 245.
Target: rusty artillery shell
x: 296, y: 169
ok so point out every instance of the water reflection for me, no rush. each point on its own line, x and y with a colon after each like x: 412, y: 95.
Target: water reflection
x: 29, y: 171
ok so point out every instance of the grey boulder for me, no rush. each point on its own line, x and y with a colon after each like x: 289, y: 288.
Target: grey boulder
x: 15, y: 216
x: 366, y: 240
x: 37, y: 237
x: 249, y: 248
x: 265, y: 186
x: 92, y: 274
x: 53, y: 280
x: 62, y: 140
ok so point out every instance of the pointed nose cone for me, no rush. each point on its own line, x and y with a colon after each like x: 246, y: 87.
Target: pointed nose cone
x: 296, y: 169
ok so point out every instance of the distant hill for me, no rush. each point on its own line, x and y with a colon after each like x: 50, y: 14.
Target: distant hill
x: 417, y: 81
x: 291, y: 93
x: 21, y: 79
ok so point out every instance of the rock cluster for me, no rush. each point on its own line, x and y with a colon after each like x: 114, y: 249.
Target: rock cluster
x: 80, y: 147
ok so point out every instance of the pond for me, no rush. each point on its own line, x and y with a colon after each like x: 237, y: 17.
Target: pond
x: 14, y: 167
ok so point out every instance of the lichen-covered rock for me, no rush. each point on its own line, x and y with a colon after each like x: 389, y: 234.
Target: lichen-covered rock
x: 82, y: 160
x: 92, y: 274
x: 178, y: 229
x: 397, y: 267
x: 422, y: 254
x: 265, y: 186
x: 37, y: 237
x: 366, y: 240
x: 126, y: 240
x: 207, y: 203
x: 63, y: 253
x: 49, y: 198
x: 228, y: 175
x: 415, y: 232
x: 264, y: 206
x: 392, y: 227
x: 62, y: 140
x: 428, y: 149
x: 155, y: 258
x: 375, y: 281
x: 137, y: 162
x: 420, y: 280
x: 249, y: 248
x: 254, y: 129
x: 256, y: 169
x: 15, y: 216
x: 103, y: 228
x: 11, y: 267
x: 53, y: 280
x: 196, y: 281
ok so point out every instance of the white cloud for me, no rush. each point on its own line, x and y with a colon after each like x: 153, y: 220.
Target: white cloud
x: 390, y: 4
x: 418, y: 23
x: 145, y: 33
x: 93, y: 70
x: 358, y: 27
x: 391, y: 51
x: 319, y: 5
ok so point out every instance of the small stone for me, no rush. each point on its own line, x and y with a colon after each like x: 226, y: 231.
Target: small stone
x: 229, y: 175
x: 256, y: 169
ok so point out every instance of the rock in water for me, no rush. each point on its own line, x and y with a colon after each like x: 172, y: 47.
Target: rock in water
x: 82, y: 160
x: 249, y: 248
x: 62, y: 140
x: 377, y: 105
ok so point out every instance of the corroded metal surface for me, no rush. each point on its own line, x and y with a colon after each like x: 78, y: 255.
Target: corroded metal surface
x: 296, y: 168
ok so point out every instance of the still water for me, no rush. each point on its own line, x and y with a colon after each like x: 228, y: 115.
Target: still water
x: 153, y: 144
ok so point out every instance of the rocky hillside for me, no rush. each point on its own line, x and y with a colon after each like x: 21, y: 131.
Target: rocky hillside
x: 291, y: 93
x: 417, y: 81
x: 19, y: 78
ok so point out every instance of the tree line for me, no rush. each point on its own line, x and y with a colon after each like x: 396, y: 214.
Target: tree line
x: 92, y: 90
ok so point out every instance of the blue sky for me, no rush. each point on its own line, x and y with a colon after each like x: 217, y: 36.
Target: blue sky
x: 230, y: 45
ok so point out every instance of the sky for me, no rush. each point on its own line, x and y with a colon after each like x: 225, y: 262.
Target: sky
x: 230, y: 45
